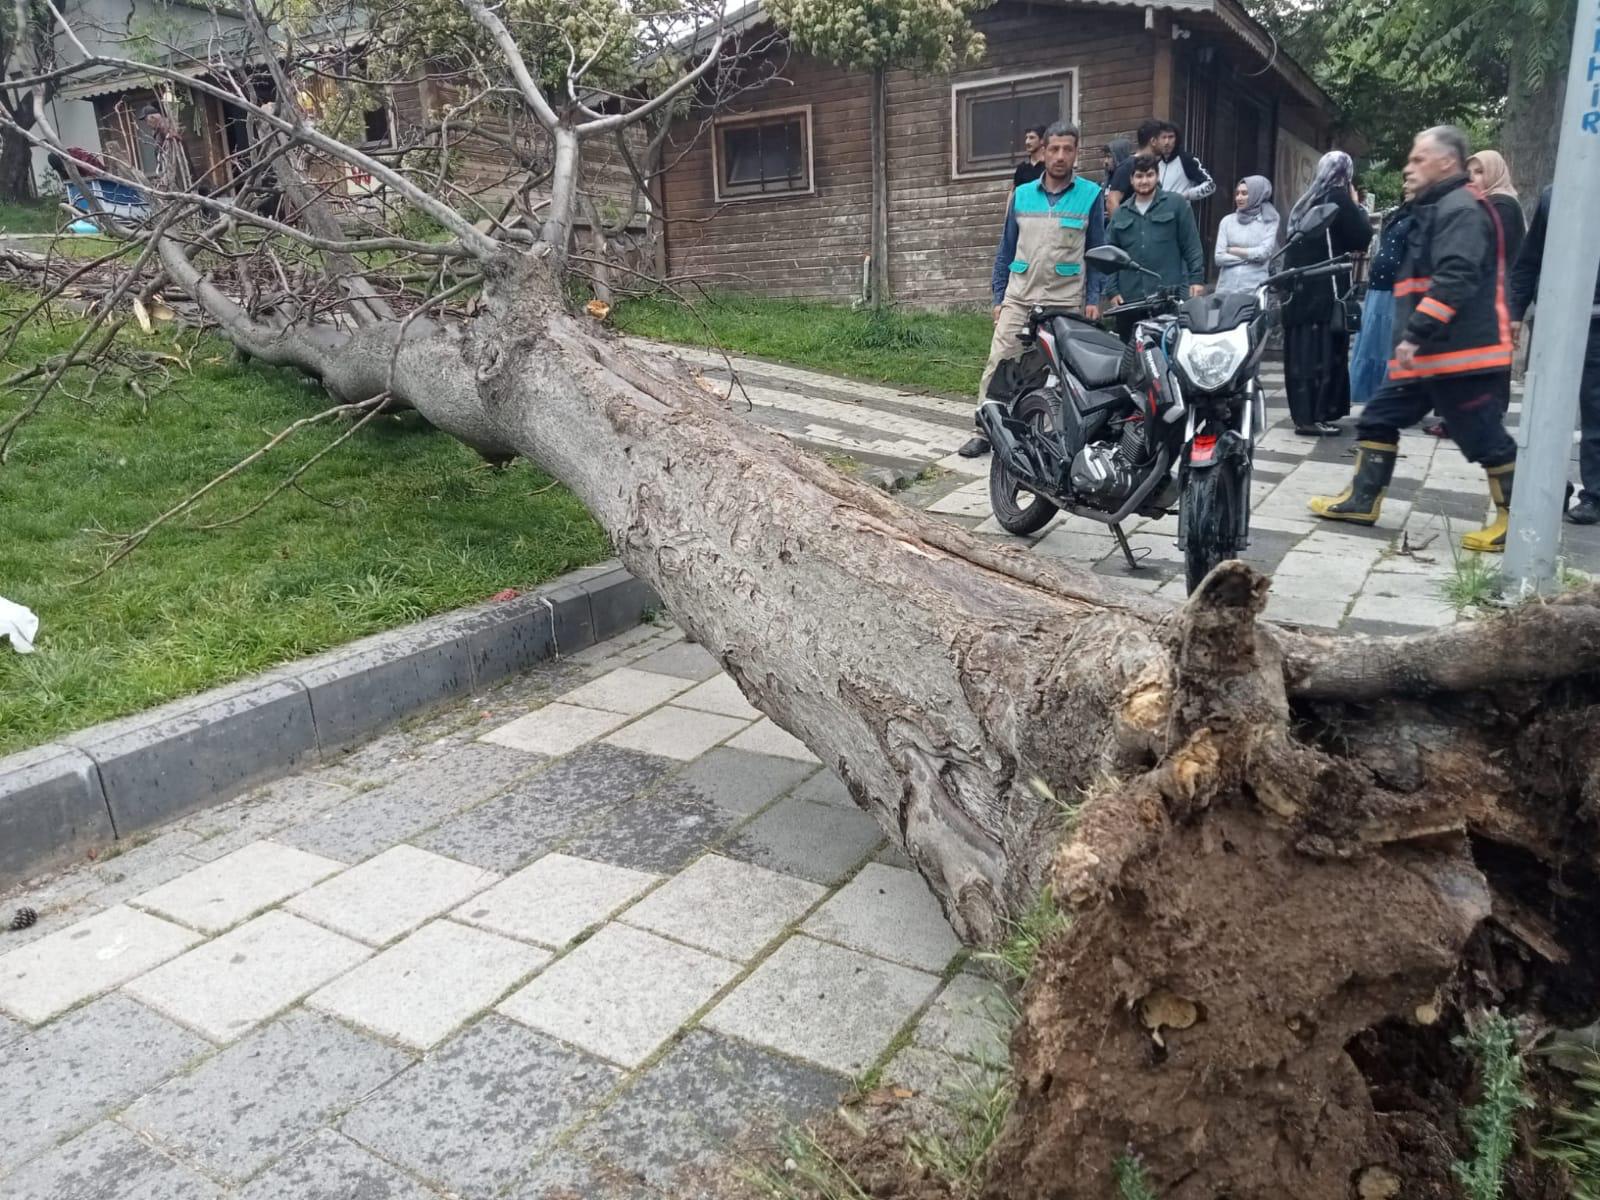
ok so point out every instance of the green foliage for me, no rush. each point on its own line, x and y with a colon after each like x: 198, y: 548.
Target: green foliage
x: 1017, y: 954
x: 929, y: 35
x: 31, y: 218
x: 1476, y: 582
x: 809, y: 1172
x: 981, y: 1106
x: 1132, y: 1183
x: 1574, y: 1137
x: 399, y: 522
x: 919, y: 351
x: 1491, y: 1122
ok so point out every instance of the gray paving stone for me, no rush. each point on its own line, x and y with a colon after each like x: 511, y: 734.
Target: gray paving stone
x: 680, y: 733
x: 891, y: 913
x: 411, y: 802
x: 220, y: 894
x: 568, y: 1176
x: 685, y: 660
x: 58, y: 1079
x: 391, y: 894
x: 332, y: 1167
x: 261, y: 814
x: 972, y: 1018
x: 474, y: 1114
x: 938, y: 1076
x: 695, y: 907
x: 554, y: 899
x: 719, y: 694
x: 891, y: 855
x: 547, y: 809
x: 742, y: 782
x: 660, y: 832
x: 84, y: 959
x: 684, y: 1123
x: 620, y: 994
x: 834, y: 1007
x: 10, y: 1030
x: 252, y: 1102
x: 124, y: 882
x: 420, y: 990
x: 826, y: 788
x: 626, y: 690
x: 107, y: 1162
x: 555, y: 729
x: 820, y: 842
x: 233, y: 983
x: 764, y: 737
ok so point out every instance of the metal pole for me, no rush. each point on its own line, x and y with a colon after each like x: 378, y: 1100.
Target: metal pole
x: 1566, y: 296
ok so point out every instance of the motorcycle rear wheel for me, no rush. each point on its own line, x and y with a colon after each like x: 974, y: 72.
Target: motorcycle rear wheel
x: 1209, y: 513
x: 1005, y: 493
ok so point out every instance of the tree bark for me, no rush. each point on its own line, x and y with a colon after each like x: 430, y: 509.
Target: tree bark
x: 16, y: 157
x: 1532, y: 130
x: 1304, y: 842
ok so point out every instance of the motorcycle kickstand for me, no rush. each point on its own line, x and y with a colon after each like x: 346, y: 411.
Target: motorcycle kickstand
x: 1127, y: 550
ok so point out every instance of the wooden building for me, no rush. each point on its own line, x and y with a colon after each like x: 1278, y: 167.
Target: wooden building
x: 782, y: 193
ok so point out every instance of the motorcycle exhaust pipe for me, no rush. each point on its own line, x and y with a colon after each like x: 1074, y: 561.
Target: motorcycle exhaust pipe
x: 992, y: 420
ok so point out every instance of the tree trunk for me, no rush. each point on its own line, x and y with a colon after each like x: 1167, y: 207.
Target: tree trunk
x: 1532, y: 130
x: 878, y: 116
x: 16, y: 167
x: 1301, y: 843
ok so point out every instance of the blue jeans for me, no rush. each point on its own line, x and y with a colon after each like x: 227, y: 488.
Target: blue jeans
x: 1369, y: 357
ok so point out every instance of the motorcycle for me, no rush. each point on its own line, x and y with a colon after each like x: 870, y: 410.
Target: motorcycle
x: 1096, y: 427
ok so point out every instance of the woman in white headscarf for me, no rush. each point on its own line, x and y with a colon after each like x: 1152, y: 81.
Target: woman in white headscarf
x: 1248, y: 237
x: 1316, y: 328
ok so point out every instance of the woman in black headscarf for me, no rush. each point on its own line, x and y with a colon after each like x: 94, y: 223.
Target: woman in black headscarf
x: 1316, y: 341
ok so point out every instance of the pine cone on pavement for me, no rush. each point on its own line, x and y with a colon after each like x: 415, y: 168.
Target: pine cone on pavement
x: 23, y: 918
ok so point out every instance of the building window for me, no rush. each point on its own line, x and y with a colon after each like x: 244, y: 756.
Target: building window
x: 991, y: 115
x: 765, y: 155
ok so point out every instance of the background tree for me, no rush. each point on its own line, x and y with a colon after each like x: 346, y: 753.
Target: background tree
x: 1293, y: 867
x: 26, y: 47
x: 875, y: 36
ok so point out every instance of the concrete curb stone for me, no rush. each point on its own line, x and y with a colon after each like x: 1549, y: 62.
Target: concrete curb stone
x: 118, y: 778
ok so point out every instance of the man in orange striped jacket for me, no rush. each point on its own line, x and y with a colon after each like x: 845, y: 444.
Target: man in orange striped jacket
x: 1453, y: 341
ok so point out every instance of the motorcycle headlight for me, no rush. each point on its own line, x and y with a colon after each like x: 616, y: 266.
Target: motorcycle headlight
x: 1210, y: 360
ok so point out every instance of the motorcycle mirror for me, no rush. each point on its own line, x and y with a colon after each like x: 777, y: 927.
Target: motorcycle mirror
x: 1108, y: 258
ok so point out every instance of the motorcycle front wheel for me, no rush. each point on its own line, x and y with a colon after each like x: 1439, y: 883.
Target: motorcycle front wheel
x: 1006, y: 495
x: 1209, y: 513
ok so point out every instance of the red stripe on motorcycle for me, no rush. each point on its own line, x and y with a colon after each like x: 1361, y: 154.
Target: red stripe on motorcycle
x: 1204, y: 447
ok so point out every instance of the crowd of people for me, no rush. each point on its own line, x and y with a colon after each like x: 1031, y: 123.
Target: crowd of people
x: 1452, y: 274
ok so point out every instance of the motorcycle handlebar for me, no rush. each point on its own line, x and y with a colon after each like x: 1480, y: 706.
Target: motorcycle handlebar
x: 1334, y: 266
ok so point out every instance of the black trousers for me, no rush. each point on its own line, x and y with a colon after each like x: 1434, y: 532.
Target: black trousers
x: 1589, y: 416
x: 1471, y: 406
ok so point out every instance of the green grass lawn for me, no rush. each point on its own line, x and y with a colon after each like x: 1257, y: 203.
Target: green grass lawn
x: 397, y: 523
x: 935, y: 352
x: 30, y: 218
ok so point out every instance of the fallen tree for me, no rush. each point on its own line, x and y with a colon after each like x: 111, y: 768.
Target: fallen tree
x: 1294, y: 866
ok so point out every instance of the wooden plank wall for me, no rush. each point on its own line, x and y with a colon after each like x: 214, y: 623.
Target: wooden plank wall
x: 809, y: 246
x: 943, y: 231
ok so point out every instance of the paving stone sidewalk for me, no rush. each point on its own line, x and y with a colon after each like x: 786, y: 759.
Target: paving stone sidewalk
x: 1386, y: 579
x: 596, y: 933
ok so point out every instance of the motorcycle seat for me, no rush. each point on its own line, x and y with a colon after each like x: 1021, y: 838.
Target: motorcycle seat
x: 1094, y: 356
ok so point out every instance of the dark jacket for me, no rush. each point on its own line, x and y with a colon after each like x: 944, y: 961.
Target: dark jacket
x: 1163, y: 239
x: 1513, y: 225
x: 1450, y: 298
x: 1385, y: 267
x: 1026, y: 172
x: 1351, y: 233
x: 1525, y: 275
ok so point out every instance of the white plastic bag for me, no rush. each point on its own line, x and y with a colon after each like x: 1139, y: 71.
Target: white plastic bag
x: 19, y: 624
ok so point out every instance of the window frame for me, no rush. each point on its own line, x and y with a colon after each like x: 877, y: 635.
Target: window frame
x: 1070, y: 75
x: 765, y: 116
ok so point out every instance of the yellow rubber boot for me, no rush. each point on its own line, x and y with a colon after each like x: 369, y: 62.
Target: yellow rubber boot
x: 1491, y: 539
x: 1362, y: 501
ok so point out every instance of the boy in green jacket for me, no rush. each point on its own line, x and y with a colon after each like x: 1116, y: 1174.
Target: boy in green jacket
x: 1157, y: 229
